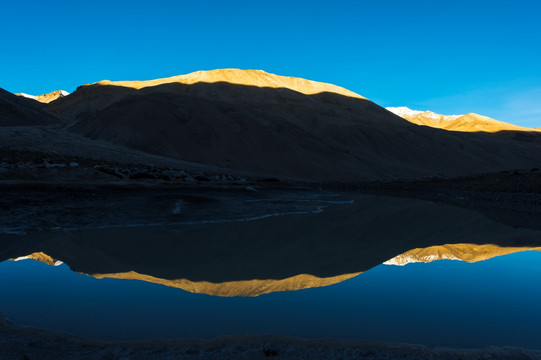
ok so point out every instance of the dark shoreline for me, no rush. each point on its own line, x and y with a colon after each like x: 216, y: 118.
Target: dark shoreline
x: 509, y: 197
x: 19, y: 342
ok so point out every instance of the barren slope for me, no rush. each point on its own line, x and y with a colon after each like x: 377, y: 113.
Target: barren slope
x: 20, y: 111
x: 292, y: 132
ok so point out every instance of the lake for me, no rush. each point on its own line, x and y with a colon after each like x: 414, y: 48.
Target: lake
x: 307, y: 264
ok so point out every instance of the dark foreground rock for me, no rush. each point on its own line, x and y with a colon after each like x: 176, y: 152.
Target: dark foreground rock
x: 23, y: 343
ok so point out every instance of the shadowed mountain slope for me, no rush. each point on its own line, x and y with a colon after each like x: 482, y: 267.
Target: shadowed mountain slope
x: 280, y: 131
x: 20, y: 111
x: 85, y: 102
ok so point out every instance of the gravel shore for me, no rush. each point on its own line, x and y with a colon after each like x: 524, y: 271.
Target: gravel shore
x: 24, y: 343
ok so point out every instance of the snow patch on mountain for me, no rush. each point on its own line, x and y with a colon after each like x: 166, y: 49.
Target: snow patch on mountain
x: 26, y: 96
x: 406, y: 112
x: 403, y: 111
x: 402, y: 260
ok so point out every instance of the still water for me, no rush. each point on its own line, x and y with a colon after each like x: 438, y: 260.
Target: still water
x: 230, y: 278
x: 443, y: 303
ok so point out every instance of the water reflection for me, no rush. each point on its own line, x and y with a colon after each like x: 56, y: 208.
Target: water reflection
x: 278, y: 254
x: 443, y: 303
x: 462, y: 252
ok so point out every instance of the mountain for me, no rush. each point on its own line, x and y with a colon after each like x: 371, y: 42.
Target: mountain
x: 28, y: 96
x: 463, y: 252
x: 246, y: 288
x: 467, y: 123
x: 253, y: 287
x: 46, y: 98
x: 280, y: 126
x: 257, y: 78
x: 40, y: 256
x: 20, y: 111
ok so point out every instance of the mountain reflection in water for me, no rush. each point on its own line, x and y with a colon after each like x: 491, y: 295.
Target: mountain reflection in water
x: 256, y: 287
x: 274, y: 254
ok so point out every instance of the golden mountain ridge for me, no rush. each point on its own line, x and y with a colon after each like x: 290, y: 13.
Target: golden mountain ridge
x: 250, y: 120
x: 463, y: 252
x: 257, y: 78
x: 52, y: 96
x: 39, y: 256
x: 255, y: 287
x: 246, y: 288
x: 46, y: 98
x: 470, y: 122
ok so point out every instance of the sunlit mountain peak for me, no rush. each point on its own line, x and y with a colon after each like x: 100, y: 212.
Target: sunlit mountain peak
x: 257, y: 78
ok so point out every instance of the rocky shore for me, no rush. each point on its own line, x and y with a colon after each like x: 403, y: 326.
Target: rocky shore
x: 24, y: 343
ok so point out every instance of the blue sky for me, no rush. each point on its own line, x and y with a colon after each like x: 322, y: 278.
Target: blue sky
x: 447, y: 56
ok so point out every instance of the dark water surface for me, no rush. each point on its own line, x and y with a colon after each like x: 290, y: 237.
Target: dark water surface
x: 492, y: 300
x: 443, y: 303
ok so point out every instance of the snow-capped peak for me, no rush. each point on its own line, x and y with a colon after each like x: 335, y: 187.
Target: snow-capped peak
x: 20, y: 258
x: 52, y: 262
x: 405, y: 259
x: 403, y: 111
x: 26, y: 96
x: 406, y: 112
x: 46, y: 98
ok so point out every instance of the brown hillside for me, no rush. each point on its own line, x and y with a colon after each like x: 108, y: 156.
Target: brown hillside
x: 20, y: 111
x: 281, y: 132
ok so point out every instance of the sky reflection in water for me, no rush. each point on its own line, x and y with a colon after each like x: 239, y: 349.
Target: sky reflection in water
x: 443, y: 303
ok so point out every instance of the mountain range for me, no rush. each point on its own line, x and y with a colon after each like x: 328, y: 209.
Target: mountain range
x: 286, y: 127
x: 461, y: 252
x: 468, y: 123
x: 46, y: 98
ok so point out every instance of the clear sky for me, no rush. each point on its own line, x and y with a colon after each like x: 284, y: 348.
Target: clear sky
x: 451, y: 57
